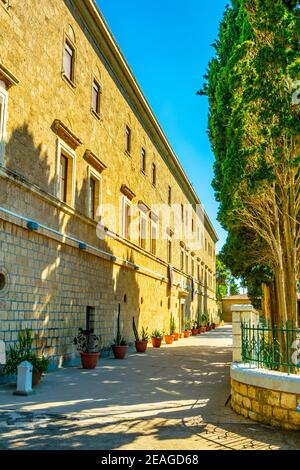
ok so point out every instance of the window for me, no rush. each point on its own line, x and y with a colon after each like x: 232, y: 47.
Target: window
x: 193, y: 224
x: 69, y: 61
x: 153, y: 237
x: 63, y: 178
x: 198, y: 272
x: 169, y: 250
x: 192, y: 267
x: 94, y: 194
x: 126, y: 218
x: 66, y: 174
x: 143, y: 229
x: 128, y: 139
x: 96, y: 92
x: 143, y: 160
x: 3, y: 113
x: 90, y: 318
x: 169, y: 195
x: 182, y: 259
x: 153, y: 174
x: 182, y: 213
x: 187, y: 263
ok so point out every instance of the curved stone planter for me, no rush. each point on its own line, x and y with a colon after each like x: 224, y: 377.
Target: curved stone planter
x: 266, y: 396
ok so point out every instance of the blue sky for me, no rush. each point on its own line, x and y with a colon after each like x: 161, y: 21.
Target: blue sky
x: 167, y: 44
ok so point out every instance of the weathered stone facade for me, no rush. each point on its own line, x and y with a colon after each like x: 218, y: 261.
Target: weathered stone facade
x: 53, y: 273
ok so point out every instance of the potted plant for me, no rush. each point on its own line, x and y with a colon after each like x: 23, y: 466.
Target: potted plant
x: 187, y: 328
x: 156, y: 338
x: 203, y: 323
x: 88, y: 345
x: 195, y: 328
x: 119, y: 346
x: 213, y: 325
x: 141, y: 342
x: 169, y: 339
x: 22, y: 351
x: 173, y: 329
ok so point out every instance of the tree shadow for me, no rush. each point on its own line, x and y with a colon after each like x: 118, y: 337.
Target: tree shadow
x: 52, y: 280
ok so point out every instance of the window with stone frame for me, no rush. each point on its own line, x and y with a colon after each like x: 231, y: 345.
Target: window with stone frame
x: 153, y: 237
x: 143, y: 160
x: 153, y: 174
x: 66, y: 174
x: 69, y: 61
x: 128, y: 139
x: 94, y: 195
x: 143, y: 229
x: 182, y: 259
x: 126, y: 216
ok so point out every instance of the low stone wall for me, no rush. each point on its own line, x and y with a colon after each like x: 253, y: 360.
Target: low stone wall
x: 266, y: 396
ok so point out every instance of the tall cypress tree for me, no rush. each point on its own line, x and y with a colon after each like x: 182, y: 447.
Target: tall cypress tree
x: 254, y: 128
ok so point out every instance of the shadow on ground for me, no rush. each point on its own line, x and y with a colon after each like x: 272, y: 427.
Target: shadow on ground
x: 172, y: 398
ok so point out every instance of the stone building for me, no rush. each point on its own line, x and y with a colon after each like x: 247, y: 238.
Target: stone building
x: 95, y: 208
x: 229, y: 301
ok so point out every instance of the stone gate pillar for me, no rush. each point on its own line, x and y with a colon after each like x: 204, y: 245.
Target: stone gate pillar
x: 241, y: 313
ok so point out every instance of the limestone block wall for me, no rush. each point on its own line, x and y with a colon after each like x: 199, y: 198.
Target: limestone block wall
x: 267, y: 406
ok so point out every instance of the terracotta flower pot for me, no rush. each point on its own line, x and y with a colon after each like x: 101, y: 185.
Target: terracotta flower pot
x: 186, y: 334
x: 119, y: 351
x: 156, y: 342
x: 203, y: 329
x: 194, y: 331
x: 36, y: 377
x: 89, y: 360
x: 169, y: 339
x: 141, y: 346
x: 213, y: 327
x: 176, y: 336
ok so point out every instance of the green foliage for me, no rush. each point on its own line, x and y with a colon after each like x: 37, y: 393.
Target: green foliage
x: 172, y: 325
x: 187, y: 325
x: 224, y: 279
x: 119, y: 340
x: 156, y: 334
x: 22, y: 351
x: 204, y: 319
x: 252, y: 127
x: 144, y: 332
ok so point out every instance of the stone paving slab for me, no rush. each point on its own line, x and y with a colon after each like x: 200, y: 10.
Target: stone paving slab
x: 171, y: 398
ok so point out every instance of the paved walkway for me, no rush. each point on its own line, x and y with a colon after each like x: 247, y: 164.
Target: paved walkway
x: 170, y: 398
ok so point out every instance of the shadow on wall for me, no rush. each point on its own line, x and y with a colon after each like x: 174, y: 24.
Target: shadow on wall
x: 52, y: 283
